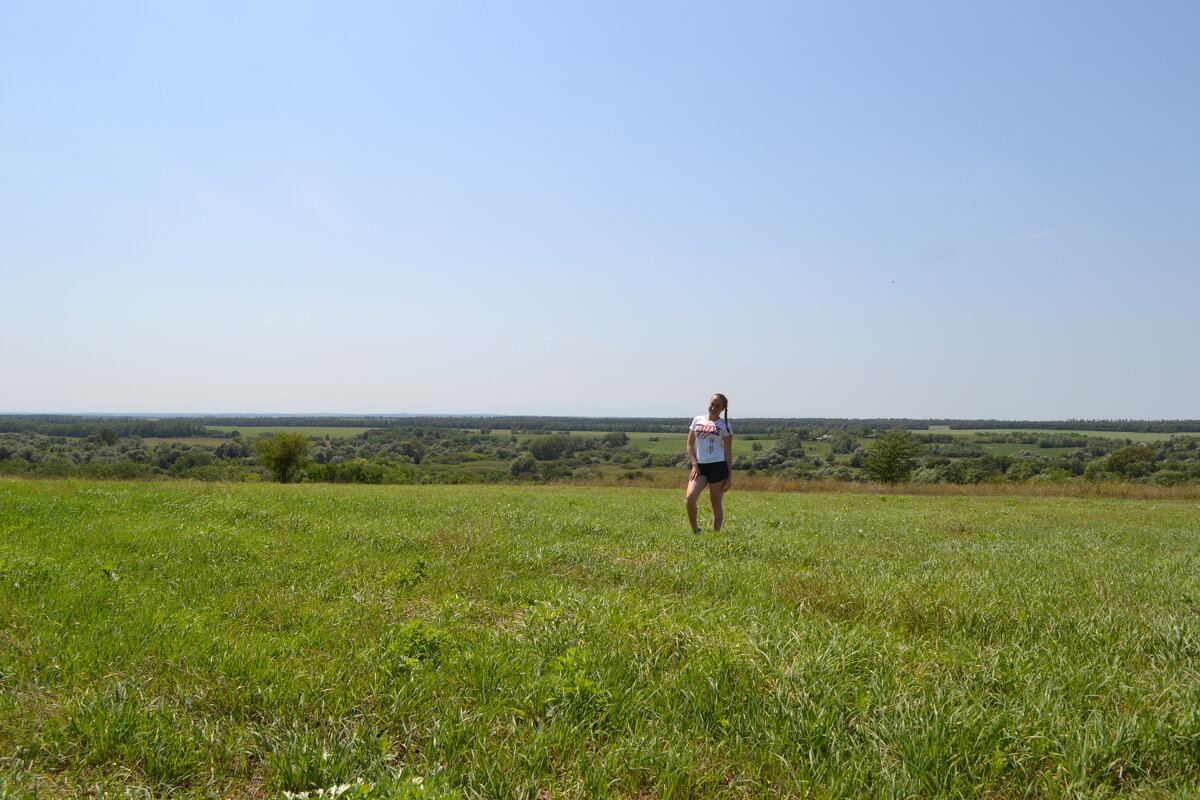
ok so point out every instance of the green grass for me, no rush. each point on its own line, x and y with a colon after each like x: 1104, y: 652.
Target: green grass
x: 1132, y: 435
x: 203, y: 441
x: 210, y: 640
x: 320, y: 431
x: 1011, y: 449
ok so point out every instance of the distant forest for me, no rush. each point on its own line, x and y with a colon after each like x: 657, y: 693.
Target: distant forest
x: 82, y: 426
x: 506, y: 449
x: 185, y: 427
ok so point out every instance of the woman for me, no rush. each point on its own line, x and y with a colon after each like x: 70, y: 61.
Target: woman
x: 710, y: 449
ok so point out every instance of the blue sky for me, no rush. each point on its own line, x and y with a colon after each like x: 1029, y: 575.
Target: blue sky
x: 925, y: 209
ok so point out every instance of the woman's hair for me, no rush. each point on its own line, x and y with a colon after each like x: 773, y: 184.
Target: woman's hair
x: 725, y: 404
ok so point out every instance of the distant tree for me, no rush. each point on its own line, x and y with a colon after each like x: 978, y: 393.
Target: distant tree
x: 1095, y: 470
x: 1133, y: 462
x: 106, y: 435
x: 548, y: 448
x: 893, y: 457
x: 284, y: 453
x: 234, y: 448
x: 616, y: 439
x: 790, y: 447
x: 844, y: 443
x: 1023, y: 469
x: 525, y: 464
x: 190, y: 459
x: 859, y: 456
x: 411, y: 448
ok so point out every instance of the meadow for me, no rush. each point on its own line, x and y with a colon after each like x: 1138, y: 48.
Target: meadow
x: 195, y: 441
x: 318, y: 431
x: 1133, y: 436
x: 194, y: 640
x: 1012, y: 448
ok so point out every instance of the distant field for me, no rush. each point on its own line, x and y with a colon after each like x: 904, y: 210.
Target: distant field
x: 1011, y: 449
x: 1137, y: 437
x: 193, y: 641
x: 203, y: 441
x: 250, y: 432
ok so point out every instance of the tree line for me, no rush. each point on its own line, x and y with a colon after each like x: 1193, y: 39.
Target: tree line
x: 197, y: 426
x: 79, y: 427
x: 442, y: 455
x: 767, y: 425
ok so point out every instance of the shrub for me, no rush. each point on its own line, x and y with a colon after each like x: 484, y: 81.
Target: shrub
x: 1169, y: 477
x: 615, y: 439
x: 1133, y: 462
x: 893, y: 457
x: 525, y: 464
x: 285, y: 453
x: 548, y: 448
x: 1097, y: 470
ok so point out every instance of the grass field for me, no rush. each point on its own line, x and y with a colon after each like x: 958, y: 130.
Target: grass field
x: 203, y: 441
x: 321, y: 431
x: 1131, y: 435
x: 210, y: 640
x: 1011, y: 449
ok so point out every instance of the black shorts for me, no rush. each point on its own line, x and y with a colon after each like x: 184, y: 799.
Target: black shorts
x: 716, y: 472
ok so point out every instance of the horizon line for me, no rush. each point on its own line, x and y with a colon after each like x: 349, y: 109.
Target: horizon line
x: 493, y: 415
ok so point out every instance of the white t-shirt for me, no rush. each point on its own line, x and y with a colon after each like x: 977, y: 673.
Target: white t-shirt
x: 710, y: 438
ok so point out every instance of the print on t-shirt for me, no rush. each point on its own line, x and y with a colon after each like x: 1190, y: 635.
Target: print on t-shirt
x: 709, y: 447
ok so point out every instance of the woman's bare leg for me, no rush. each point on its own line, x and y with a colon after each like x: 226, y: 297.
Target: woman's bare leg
x: 716, y: 491
x: 694, y: 490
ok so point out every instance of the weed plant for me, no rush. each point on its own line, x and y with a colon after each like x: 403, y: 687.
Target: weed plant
x: 210, y: 640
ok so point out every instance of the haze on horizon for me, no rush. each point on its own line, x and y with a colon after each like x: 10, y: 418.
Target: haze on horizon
x: 927, y: 210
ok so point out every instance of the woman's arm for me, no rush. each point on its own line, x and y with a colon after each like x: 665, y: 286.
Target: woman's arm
x: 691, y: 448
x: 728, y: 442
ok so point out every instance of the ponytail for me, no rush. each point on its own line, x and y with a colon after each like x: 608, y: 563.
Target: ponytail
x: 725, y: 410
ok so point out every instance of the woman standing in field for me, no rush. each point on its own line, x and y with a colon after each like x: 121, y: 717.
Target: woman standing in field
x: 710, y: 449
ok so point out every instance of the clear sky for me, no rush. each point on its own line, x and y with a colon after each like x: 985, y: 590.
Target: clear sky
x: 922, y: 209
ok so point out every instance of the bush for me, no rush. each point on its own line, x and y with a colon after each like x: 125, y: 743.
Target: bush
x: 893, y: 457
x: 1023, y: 469
x: 285, y: 453
x: 525, y: 464
x: 1097, y: 470
x: 925, y: 475
x: 1135, y: 461
x: 548, y: 448
x: 615, y: 439
x: 360, y: 471
x: 208, y: 472
x: 1169, y: 477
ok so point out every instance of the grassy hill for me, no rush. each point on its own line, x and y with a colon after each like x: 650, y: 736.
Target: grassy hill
x: 205, y: 640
